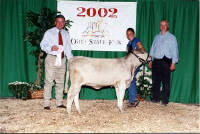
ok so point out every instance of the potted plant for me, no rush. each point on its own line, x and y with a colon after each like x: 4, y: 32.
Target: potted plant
x: 144, y: 83
x: 19, y: 89
x: 35, y: 92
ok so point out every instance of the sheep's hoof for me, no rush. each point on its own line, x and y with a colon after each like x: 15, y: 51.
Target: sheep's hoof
x: 79, y: 111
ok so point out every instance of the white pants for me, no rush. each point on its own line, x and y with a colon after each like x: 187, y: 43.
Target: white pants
x: 52, y: 73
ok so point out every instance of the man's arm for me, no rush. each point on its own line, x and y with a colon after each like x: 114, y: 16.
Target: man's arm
x: 151, y: 53
x: 174, y: 51
x: 44, y: 44
x: 68, y: 48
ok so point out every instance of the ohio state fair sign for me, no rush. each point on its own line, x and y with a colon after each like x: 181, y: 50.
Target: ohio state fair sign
x: 99, y: 26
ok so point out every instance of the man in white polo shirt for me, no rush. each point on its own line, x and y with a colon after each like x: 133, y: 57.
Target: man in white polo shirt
x: 56, y: 43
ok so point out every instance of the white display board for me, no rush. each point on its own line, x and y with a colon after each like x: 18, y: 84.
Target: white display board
x: 99, y: 26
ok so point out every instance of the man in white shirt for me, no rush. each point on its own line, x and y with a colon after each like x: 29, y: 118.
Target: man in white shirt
x: 56, y: 43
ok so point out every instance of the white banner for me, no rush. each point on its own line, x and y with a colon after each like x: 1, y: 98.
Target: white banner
x: 99, y: 26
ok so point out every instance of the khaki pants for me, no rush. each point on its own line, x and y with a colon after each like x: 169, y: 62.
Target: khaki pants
x: 52, y: 73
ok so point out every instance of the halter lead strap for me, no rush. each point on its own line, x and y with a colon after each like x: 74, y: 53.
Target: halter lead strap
x: 140, y: 59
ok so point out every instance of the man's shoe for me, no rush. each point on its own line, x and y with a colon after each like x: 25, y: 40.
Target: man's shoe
x: 61, y: 106
x: 155, y: 101
x: 134, y: 104
x: 47, y: 108
x: 164, y: 104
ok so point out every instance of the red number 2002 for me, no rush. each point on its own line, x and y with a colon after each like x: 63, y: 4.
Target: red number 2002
x: 102, y: 12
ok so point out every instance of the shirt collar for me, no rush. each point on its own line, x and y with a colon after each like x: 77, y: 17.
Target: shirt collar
x: 57, y: 30
x: 164, y: 34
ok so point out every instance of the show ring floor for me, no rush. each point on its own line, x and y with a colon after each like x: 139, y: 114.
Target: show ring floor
x: 97, y: 116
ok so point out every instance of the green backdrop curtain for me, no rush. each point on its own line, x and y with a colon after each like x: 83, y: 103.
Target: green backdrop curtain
x: 183, y: 17
x: 17, y: 64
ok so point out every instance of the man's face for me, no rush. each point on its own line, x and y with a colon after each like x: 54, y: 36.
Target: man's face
x: 60, y: 23
x: 130, y: 35
x: 163, y: 26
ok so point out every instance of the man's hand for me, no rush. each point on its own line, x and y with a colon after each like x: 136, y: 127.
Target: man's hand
x: 173, y: 67
x: 54, y: 48
x: 150, y: 65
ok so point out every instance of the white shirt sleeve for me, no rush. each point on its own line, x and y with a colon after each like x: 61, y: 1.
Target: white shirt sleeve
x: 45, y: 43
x: 68, y: 50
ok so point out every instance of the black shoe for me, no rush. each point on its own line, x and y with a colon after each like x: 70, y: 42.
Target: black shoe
x: 155, y: 101
x: 47, y: 108
x: 134, y: 104
x: 61, y: 106
x: 164, y: 104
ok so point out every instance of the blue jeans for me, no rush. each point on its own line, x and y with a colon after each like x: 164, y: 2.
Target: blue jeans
x: 133, y: 89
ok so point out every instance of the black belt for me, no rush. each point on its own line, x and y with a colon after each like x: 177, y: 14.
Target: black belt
x: 165, y: 59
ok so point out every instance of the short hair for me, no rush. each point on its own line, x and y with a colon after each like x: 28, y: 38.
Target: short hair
x: 60, y: 16
x: 130, y: 29
x: 165, y: 21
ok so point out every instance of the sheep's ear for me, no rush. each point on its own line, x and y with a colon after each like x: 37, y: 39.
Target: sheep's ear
x: 136, y: 51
